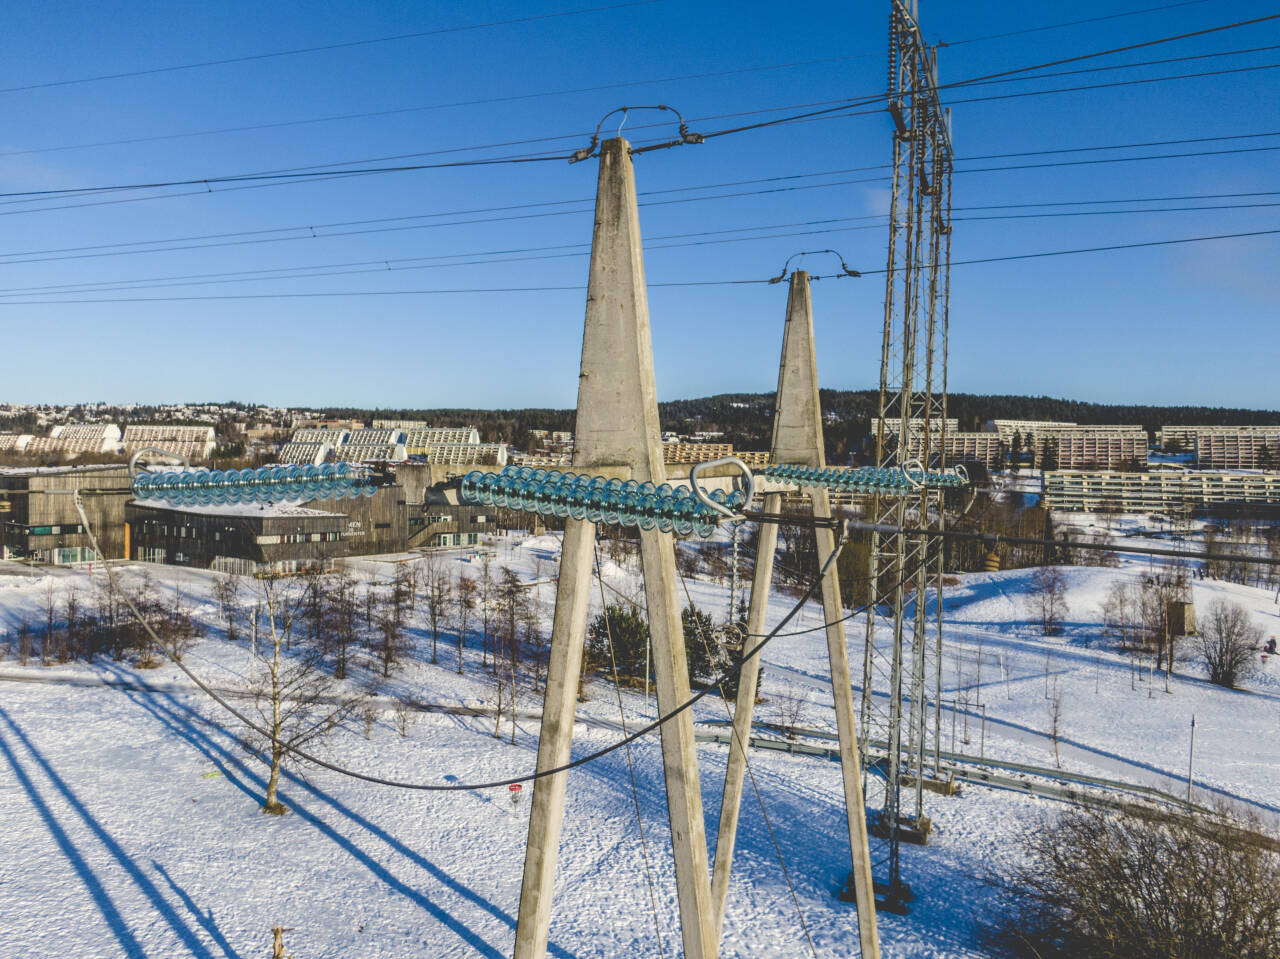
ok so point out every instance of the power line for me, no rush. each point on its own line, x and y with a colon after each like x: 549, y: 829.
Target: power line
x: 1116, y: 83
x: 297, y: 51
x: 1106, y: 53
x: 258, y: 177
x: 936, y: 88
x: 240, y: 178
x: 1161, y: 156
x: 321, y: 175
x: 483, y: 101
x: 518, y: 255
x: 1120, y: 146
x: 309, y: 231
x: 579, y: 288
x: 1089, y: 249
x: 1158, y: 209
x: 1070, y: 23
x: 1124, y: 66
x: 1151, y: 199
x: 386, y: 264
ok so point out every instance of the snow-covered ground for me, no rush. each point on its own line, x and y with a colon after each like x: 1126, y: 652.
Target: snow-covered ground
x: 129, y: 820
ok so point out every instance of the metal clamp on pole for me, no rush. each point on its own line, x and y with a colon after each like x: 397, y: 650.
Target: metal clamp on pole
x: 747, y: 484
x: 133, y: 460
x: 914, y: 473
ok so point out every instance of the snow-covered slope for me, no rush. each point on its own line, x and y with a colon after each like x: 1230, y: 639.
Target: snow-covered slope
x: 130, y: 822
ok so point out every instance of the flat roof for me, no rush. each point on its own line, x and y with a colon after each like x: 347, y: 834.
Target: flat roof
x: 235, y: 509
x: 69, y: 468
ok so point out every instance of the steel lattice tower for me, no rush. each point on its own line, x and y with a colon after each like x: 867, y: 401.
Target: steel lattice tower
x: 902, y: 673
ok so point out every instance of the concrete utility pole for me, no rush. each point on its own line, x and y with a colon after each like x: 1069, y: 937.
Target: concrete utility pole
x: 797, y: 439
x: 616, y: 434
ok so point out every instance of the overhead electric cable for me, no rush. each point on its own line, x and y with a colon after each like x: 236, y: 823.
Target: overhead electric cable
x: 343, y: 45
x: 1136, y: 199
x: 324, y: 175
x: 1088, y: 249
x: 1094, y: 162
x: 309, y: 231
x: 482, y: 101
x: 1106, y: 53
x: 1120, y: 146
x: 1004, y: 73
x: 236, y: 178
x: 1129, y: 212
x: 255, y: 177
x: 1115, y: 83
x: 518, y: 255
x: 1071, y: 23
x: 579, y: 288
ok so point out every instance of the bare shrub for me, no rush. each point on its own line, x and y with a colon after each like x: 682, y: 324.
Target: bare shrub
x: 369, y: 719
x: 1227, y: 640
x: 1142, y: 884
x: 1122, y: 614
x: 1054, y: 710
x: 1049, y: 598
x: 790, y: 708
x: 402, y: 712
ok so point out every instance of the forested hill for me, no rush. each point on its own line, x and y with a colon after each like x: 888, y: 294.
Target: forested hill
x: 746, y: 418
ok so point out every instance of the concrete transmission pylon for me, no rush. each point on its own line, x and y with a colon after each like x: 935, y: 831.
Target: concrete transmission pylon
x: 797, y: 439
x: 902, y: 672
x: 617, y: 435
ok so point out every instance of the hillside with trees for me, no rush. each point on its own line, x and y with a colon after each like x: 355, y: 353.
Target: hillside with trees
x: 745, y: 419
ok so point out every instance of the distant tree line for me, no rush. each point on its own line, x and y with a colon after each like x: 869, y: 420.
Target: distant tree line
x: 746, y: 419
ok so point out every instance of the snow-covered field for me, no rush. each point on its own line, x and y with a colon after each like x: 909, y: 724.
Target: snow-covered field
x: 129, y: 820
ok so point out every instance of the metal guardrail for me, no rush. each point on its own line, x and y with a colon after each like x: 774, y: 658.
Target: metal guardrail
x: 960, y: 769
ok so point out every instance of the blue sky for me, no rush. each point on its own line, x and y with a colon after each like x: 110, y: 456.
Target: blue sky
x: 1191, y: 323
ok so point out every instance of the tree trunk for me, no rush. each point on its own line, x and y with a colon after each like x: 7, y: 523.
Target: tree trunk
x: 273, y: 806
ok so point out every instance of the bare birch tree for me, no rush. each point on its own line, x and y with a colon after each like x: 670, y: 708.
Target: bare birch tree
x: 465, y: 594
x: 438, y: 595
x: 484, y: 600
x: 294, y: 699
x: 1049, y: 598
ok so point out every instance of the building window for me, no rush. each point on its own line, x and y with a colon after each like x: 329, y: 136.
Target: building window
x: 382, y: 526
